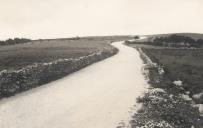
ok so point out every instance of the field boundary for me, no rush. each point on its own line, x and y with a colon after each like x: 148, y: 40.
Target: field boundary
x: 16, y: 81
x: 160, y: 107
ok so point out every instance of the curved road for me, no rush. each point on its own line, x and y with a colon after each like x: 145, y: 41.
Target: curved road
x: 99, y: 96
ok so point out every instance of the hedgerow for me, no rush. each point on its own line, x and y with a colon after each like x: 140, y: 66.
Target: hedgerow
x: 16, y: 81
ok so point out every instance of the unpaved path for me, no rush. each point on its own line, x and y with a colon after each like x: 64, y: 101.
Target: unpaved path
x: 99, y: 96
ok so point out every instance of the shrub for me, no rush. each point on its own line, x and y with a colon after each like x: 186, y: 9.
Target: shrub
x: 161, y: 108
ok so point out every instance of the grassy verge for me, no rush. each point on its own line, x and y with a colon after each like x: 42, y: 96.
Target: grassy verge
x: 27, y: 66
x: 185, y: 65
x: 169, y: 103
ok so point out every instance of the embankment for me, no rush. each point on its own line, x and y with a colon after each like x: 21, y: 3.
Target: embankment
x: 31, y: 76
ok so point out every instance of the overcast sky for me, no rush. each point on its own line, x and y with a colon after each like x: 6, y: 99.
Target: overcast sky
x: 64, y: 18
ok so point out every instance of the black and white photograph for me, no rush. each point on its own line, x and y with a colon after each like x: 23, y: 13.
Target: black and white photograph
x: 101, y: 64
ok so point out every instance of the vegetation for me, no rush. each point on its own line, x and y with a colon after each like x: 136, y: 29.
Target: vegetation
x: 136, y: 37
x: 194, y: 36
x: 14, y: 41
x: 175, y: 75
x: 13, y: 82
x: 175, y: 41
x: 30, y: 65
x: 15, y: 57
x: 163, y: 110
x: 180, y: 64
x: 165, y: 105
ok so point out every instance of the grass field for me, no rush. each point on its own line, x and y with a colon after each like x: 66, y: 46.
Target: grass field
x: 26, y: 66
x: 17, y: 56
x: 179, y: 64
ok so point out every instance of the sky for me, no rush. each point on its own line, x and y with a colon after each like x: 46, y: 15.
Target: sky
x: 37, y: 19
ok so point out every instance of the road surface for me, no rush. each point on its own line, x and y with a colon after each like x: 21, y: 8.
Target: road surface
x: 102, y: 95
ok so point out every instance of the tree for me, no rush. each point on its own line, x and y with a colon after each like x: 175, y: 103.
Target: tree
x: 136, y: 37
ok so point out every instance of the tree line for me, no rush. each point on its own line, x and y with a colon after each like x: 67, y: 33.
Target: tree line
x: 14, y: 41
x: 178, y: 41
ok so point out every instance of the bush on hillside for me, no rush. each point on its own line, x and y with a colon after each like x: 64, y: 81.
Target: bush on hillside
x: 14, y: 41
